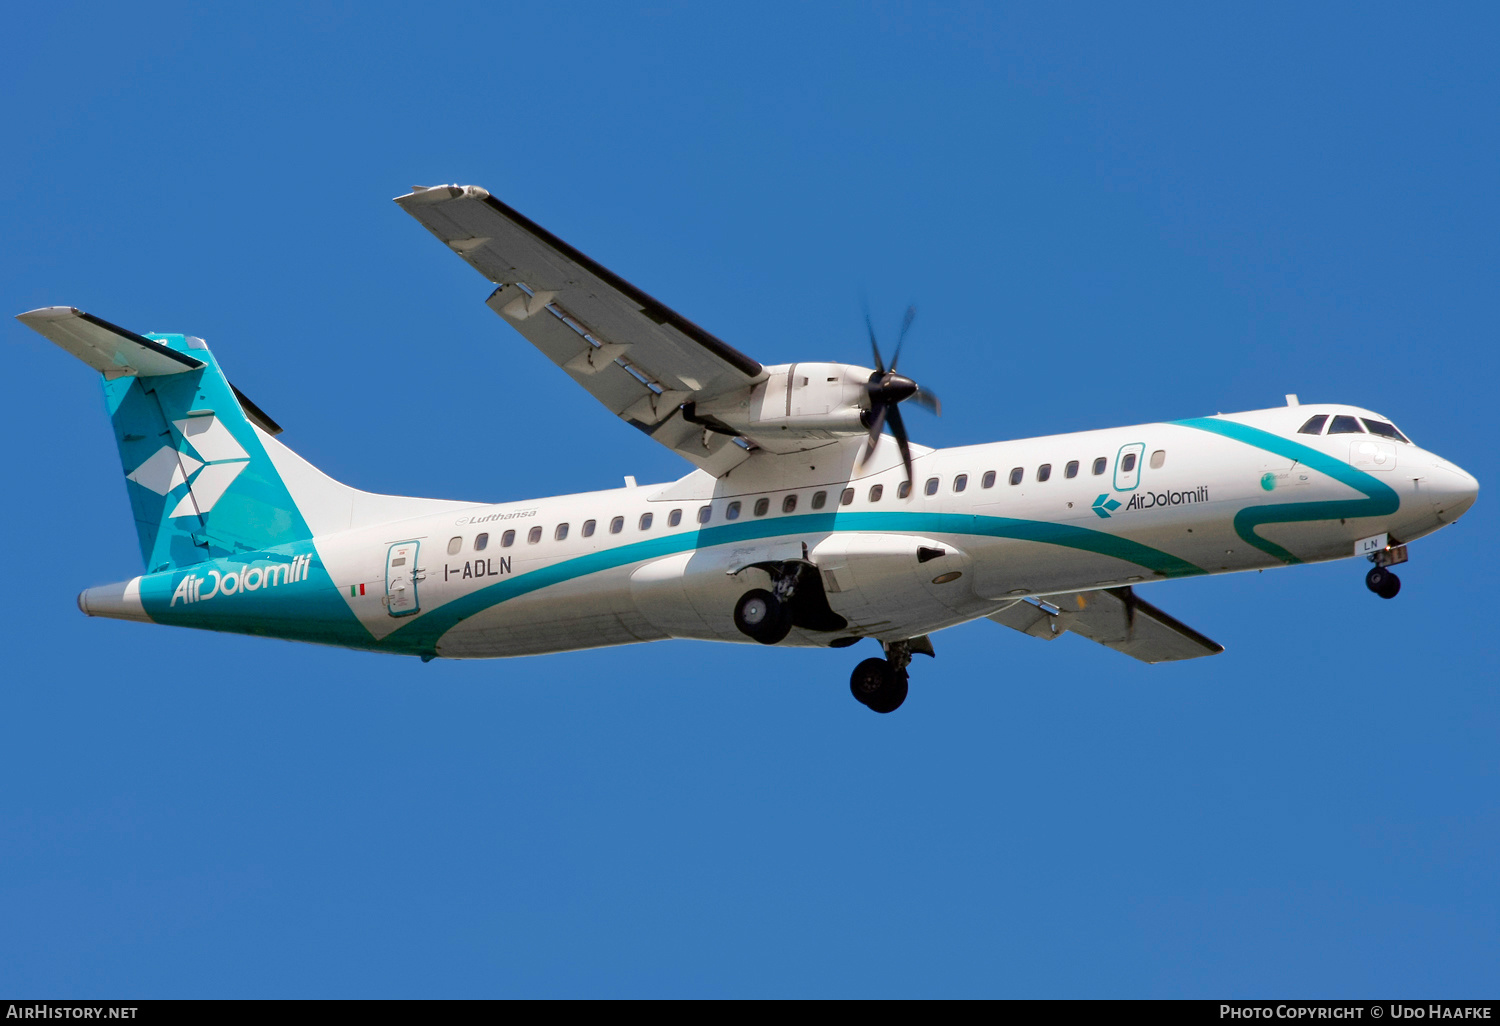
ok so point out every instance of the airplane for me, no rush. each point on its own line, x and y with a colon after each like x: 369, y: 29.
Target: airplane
x: 796, y: 527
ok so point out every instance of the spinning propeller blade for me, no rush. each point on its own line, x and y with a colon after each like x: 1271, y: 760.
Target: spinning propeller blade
x: 887, y: 390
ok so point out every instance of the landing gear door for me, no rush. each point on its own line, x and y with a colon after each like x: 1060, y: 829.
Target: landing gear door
x: 1128, y: 466
x: 401, y: 577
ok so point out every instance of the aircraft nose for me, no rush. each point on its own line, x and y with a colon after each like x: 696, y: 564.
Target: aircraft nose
x: 1453, y: 490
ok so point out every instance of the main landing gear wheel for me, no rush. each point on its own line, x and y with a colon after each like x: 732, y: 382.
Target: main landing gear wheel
x: 762, y: 616
x: 1383, y: 583
x: 878, y: 685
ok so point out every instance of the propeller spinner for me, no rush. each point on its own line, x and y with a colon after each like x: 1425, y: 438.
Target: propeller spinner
x: 887, y: 390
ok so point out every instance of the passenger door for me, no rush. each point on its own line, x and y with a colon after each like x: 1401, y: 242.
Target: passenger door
x: 401, y: 577
x: 1128, y: 466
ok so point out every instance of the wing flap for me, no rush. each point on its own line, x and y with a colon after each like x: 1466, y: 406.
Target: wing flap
x: 1114, y: 617
x: 108, y: 348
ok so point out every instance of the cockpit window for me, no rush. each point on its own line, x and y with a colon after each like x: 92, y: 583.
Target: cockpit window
x: 1314, y: 425
x: 1384, y: 430
x: 1345, y: 425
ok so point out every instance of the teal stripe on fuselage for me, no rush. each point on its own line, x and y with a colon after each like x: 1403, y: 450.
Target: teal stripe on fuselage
x: 422, y: 634
x: 1380, y: 499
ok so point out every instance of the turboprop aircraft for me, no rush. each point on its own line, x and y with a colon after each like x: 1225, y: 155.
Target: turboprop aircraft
x: 797, y: 527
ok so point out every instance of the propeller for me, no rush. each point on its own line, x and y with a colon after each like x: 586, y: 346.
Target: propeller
x: 888, y: 390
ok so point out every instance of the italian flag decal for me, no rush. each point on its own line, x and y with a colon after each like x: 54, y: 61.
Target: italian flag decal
x: 356, y: 590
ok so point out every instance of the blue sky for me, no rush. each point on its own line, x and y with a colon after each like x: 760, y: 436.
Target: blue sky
x: 1106, y: 214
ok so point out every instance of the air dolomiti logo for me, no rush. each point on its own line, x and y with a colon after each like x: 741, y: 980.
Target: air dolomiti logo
x: 220, y: 459
x: 253, y: 578
x: 1105, y: 507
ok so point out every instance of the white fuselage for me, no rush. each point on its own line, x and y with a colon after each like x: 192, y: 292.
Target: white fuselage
x: 653, y: 562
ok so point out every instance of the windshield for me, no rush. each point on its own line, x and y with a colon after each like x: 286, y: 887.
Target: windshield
x: 1384, y: 429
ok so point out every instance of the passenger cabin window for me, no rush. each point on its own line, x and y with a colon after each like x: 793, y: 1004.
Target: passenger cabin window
x: 645, y: 524
x: 788, y: 504
x: 1128, y: 463
x: 988, y: 481
x: 876, y: 491
x: 732, y: 511
x: 761, y: 505
x: 931, y: 487
x: 1158, y: 458
x: 588, y: 528
x: 1384, y: 430
x: 454, y: 544
x: 1071, y: 470
x: 1314, y: 425
x: 507, y: 539
x: 1017, y: 474
x: 820, y: 499
x: 560, y: 533
x: 847, y: 498
x: 705, y: 513
x: 481, y: 542
x: 617, y: 525
x: 960, y: 482
x: 1099, y: 465
x: 674, y: 518
x: 903, y: 489
x: 1044, y: 472
x: 1343, y: 425
x: 534, y: 535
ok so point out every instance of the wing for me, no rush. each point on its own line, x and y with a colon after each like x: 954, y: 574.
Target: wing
x: 1115, y: 618
x: 639, y: 358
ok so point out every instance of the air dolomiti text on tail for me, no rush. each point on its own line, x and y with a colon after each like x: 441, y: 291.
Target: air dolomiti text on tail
x: 796, y: 527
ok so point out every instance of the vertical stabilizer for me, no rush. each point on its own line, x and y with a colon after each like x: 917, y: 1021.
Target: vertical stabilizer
x: 200, y: 482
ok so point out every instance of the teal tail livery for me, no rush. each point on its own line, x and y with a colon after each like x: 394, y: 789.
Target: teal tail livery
x: 200, y: 481
x: 796, y: 526
x: 212, y: 491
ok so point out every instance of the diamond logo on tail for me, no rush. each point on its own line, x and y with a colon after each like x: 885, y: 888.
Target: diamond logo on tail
x: 168, y: 468
x: 1104, y: 505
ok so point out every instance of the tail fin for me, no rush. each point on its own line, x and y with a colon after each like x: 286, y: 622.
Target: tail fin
x: 200, y: 481
x: 205, y: 476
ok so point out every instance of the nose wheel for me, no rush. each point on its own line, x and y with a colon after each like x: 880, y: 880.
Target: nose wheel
x: 1383, y: 582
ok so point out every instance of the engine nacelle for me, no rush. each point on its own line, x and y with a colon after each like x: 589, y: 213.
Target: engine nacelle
x: 814, y: 400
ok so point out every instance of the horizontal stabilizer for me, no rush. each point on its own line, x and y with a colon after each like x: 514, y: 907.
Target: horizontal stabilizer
x: 1115, y: 618
x: 108, y: 348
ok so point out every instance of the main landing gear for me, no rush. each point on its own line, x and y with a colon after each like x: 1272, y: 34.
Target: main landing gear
x: 763, y: 616
x: 880, y: 684
x: 796, y: 599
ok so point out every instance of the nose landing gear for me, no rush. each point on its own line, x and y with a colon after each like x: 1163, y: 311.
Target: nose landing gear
x: 1383, y: 582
